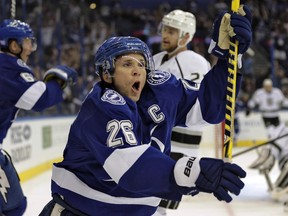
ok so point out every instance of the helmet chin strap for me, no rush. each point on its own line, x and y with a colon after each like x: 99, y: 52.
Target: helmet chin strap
x: 177, y: 48
x: 106, y: 84
x: 16, y: 54
x: 19, y: 54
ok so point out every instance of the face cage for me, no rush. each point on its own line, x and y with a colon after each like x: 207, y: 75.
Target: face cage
x: 33, y: 42
x: 144, y: 65
x: 20, y: 43
x: 108, y: 65
x: 181, y: 34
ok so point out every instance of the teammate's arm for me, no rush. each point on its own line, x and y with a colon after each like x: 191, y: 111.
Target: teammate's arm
x: 38, y: 95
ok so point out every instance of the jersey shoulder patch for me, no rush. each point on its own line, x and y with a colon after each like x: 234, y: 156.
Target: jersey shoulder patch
x: 158, y: 77
x: 21, y: 63
x: 28, y: 77
x: 113, y: 97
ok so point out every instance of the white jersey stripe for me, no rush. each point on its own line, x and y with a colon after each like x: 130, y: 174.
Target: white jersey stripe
x: 31, y: 96
x: 122, y: 159
x: 159, y: 143
x: 66, y: 179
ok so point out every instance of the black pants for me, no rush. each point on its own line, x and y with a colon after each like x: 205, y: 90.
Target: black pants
x: 67, y: 211
x: 271, y: 121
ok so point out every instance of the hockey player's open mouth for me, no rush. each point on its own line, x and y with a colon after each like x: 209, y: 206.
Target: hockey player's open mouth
x: 136, y: 86
x: 166, y: 42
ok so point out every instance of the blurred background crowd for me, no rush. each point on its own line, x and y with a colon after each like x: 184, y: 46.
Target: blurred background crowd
x: 70, y: 31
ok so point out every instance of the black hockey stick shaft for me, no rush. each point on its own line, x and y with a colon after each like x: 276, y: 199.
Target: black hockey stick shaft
x: 262, y: 144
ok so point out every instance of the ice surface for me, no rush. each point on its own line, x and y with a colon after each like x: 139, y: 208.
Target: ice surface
x: 253, y: 201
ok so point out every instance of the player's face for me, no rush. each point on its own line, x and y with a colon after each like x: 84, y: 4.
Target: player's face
x: 268, y: 88
x: 170, y: 38
x: 130, y: 75
x: 28, y: 47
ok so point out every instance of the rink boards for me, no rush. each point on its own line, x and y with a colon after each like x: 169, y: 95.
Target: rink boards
x: 34, y: 144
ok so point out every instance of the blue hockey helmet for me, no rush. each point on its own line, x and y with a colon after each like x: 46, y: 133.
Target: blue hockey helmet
x: 16, y: 30
x: 116, y: 46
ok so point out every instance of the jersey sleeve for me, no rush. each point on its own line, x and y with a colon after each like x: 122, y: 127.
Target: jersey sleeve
x: 40, y: 96
x: 20, y: 88
x: 207, y: 104
x: 212, y: 92
x: 143, y: 169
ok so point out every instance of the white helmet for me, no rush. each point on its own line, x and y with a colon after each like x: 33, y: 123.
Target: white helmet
x: 267, y: 82
x: 184, y: 21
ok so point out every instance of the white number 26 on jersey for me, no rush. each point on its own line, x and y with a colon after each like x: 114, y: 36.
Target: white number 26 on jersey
x: 113, y: 128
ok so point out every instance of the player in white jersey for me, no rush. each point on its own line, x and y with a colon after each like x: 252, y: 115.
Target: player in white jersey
x: 276, y: 151
x: 269, y: 100
x: 177, y: 30
x: 20, y: 90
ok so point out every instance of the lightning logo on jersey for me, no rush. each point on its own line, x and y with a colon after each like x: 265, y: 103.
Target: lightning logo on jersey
x: 158, y: 77
x: 113, y: 97
x: 4, y: 184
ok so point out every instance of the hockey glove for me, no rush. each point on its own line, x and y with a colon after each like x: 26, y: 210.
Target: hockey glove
x: 63, y: 74
x: 231, y: 25
x: 243, y: 30
x: 209, y: 175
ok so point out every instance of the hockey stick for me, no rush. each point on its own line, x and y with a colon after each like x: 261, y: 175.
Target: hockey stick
x: 262, y: 144
x: 231, y: 93
x: 268, y: 179
x: 13, y: 9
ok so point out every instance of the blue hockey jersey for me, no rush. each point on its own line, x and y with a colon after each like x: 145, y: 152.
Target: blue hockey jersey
x: 114, y: 162
x: 20, y: 90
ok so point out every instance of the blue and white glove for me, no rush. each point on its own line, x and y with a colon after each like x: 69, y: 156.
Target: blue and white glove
x: 232, y: 25
x: 208, y: 175
x: 63, y: 74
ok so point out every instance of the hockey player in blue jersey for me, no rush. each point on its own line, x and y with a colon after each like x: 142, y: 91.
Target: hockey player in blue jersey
x: 20, y: 90
x: 116, y: 161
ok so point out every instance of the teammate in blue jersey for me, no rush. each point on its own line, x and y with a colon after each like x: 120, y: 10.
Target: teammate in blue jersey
x: 116, y: 161
x: 20, y: 90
